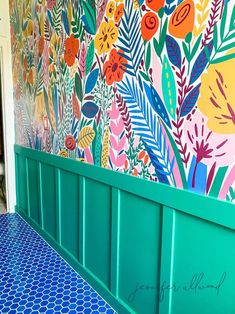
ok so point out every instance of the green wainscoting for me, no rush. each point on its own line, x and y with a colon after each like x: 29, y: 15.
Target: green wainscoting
x: 145, y: 247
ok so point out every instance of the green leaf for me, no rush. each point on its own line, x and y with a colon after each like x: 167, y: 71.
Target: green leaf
x: 90, y: 14
x: 169, y: 87
x: 148, y: 57
x: 196, y: 46
x: 144, y: 75
x: 78, y: 87
x: 157, y: 47
x: 162, y: 39
x: 224, y: 58
x: 186, y: 51
x: 215, y: 37
x: 223, y: 22
x: 188, y: 38
x: 232, y: 20
x: 227, y: 47
x: 90, y: 56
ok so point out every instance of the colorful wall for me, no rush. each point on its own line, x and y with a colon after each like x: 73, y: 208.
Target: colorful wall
x: 140, y: 87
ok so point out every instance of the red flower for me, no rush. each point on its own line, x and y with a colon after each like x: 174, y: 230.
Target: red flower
x: 70, y: 142
x: 71, y: 49
x: 114, y: 67
x: 51, y: 4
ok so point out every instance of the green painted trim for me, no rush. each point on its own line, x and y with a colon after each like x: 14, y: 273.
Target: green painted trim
x: 40, y: 195
x: 114, y: 281
x: 27, y: 186
x: 58, y: 205
x: 208, y: 208
x: 82, y: 218
x: 85, y: 273
x: 167, y: 257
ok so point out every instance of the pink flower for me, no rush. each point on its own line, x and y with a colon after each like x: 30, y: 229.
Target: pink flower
x: 211, y: 148
x: 206, y: 145
x: 51, y: 4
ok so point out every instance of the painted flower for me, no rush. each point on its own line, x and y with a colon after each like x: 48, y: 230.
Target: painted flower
x: 110, y: 9
x: 206, y: 145
x: 71, y: 50
x: 149, y: 25
x: 217, y: 97
x: 182, y: 19
x: 155, y: 5
x: 70, y: 142
x: 119, y: 12
x: 51, y: 4
x: 114, y: 67
x: 106, y: 37
x: 64, y: 153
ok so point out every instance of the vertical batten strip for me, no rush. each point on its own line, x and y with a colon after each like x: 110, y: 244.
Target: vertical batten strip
x: 167, y: 258
x: 82, y: 220
x: 17, y: 180
x: 27, y: 186
x: 40, y: 194
x: 115, y: 242
x: 58, y: 205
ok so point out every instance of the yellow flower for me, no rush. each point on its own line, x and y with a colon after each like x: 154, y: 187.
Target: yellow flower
x: 64, y: 153
x: 106, y: 37
x: 217, y: 97
x: 110, y: 9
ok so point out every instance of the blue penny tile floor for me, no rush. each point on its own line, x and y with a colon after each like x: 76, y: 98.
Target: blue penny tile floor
x: 35, y: 279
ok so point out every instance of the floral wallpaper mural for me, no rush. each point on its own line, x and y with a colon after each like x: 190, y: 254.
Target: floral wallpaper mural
x: 141, y: 87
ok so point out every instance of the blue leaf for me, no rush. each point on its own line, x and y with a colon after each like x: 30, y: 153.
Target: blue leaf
x: 66, y: 22
x: 156, y: 103
x: 91, y: 81
x: 158, y: 169
x: 90, y: 109
x: 50, y: 18
x: 201, y: 63
x: 173, y: 51
x: 190, y: 101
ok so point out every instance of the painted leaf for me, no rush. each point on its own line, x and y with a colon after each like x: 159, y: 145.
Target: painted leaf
x: 90, y: 109
x: 86, y: 137
x: 91, y: 81
x: 89, y: 19
x: 173, y: 51
x: 156, y: 103
x: 66, y: 22
x: 76, y: 107
x: 90, y: 56
x: 201, y: 63
x: 168, y: 87
x: 190, y: 101
x: 78, y: 87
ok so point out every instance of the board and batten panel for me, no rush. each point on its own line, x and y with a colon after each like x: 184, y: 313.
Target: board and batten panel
x: 49, y: 199
x: 34, y: 196
x: 139, y: 255
x: 97, y: 227
x: 203, y: 271
x: 69, y: 206
x: 22, y: 183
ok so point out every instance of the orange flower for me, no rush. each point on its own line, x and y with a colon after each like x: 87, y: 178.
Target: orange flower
x: 149, y: 25
x: 126, y: 164
x: 70, y: 142
x: 141, y: 154
x: 31, y: 77
x: 40, y: 46
x: 25, y: 62
x: 182, y: 19
x: 114, y: 67
x: 135, y: 172
x: 146, y: 159
x: 71, y: 49
x: 119, y: 12
x: 155, y: 5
